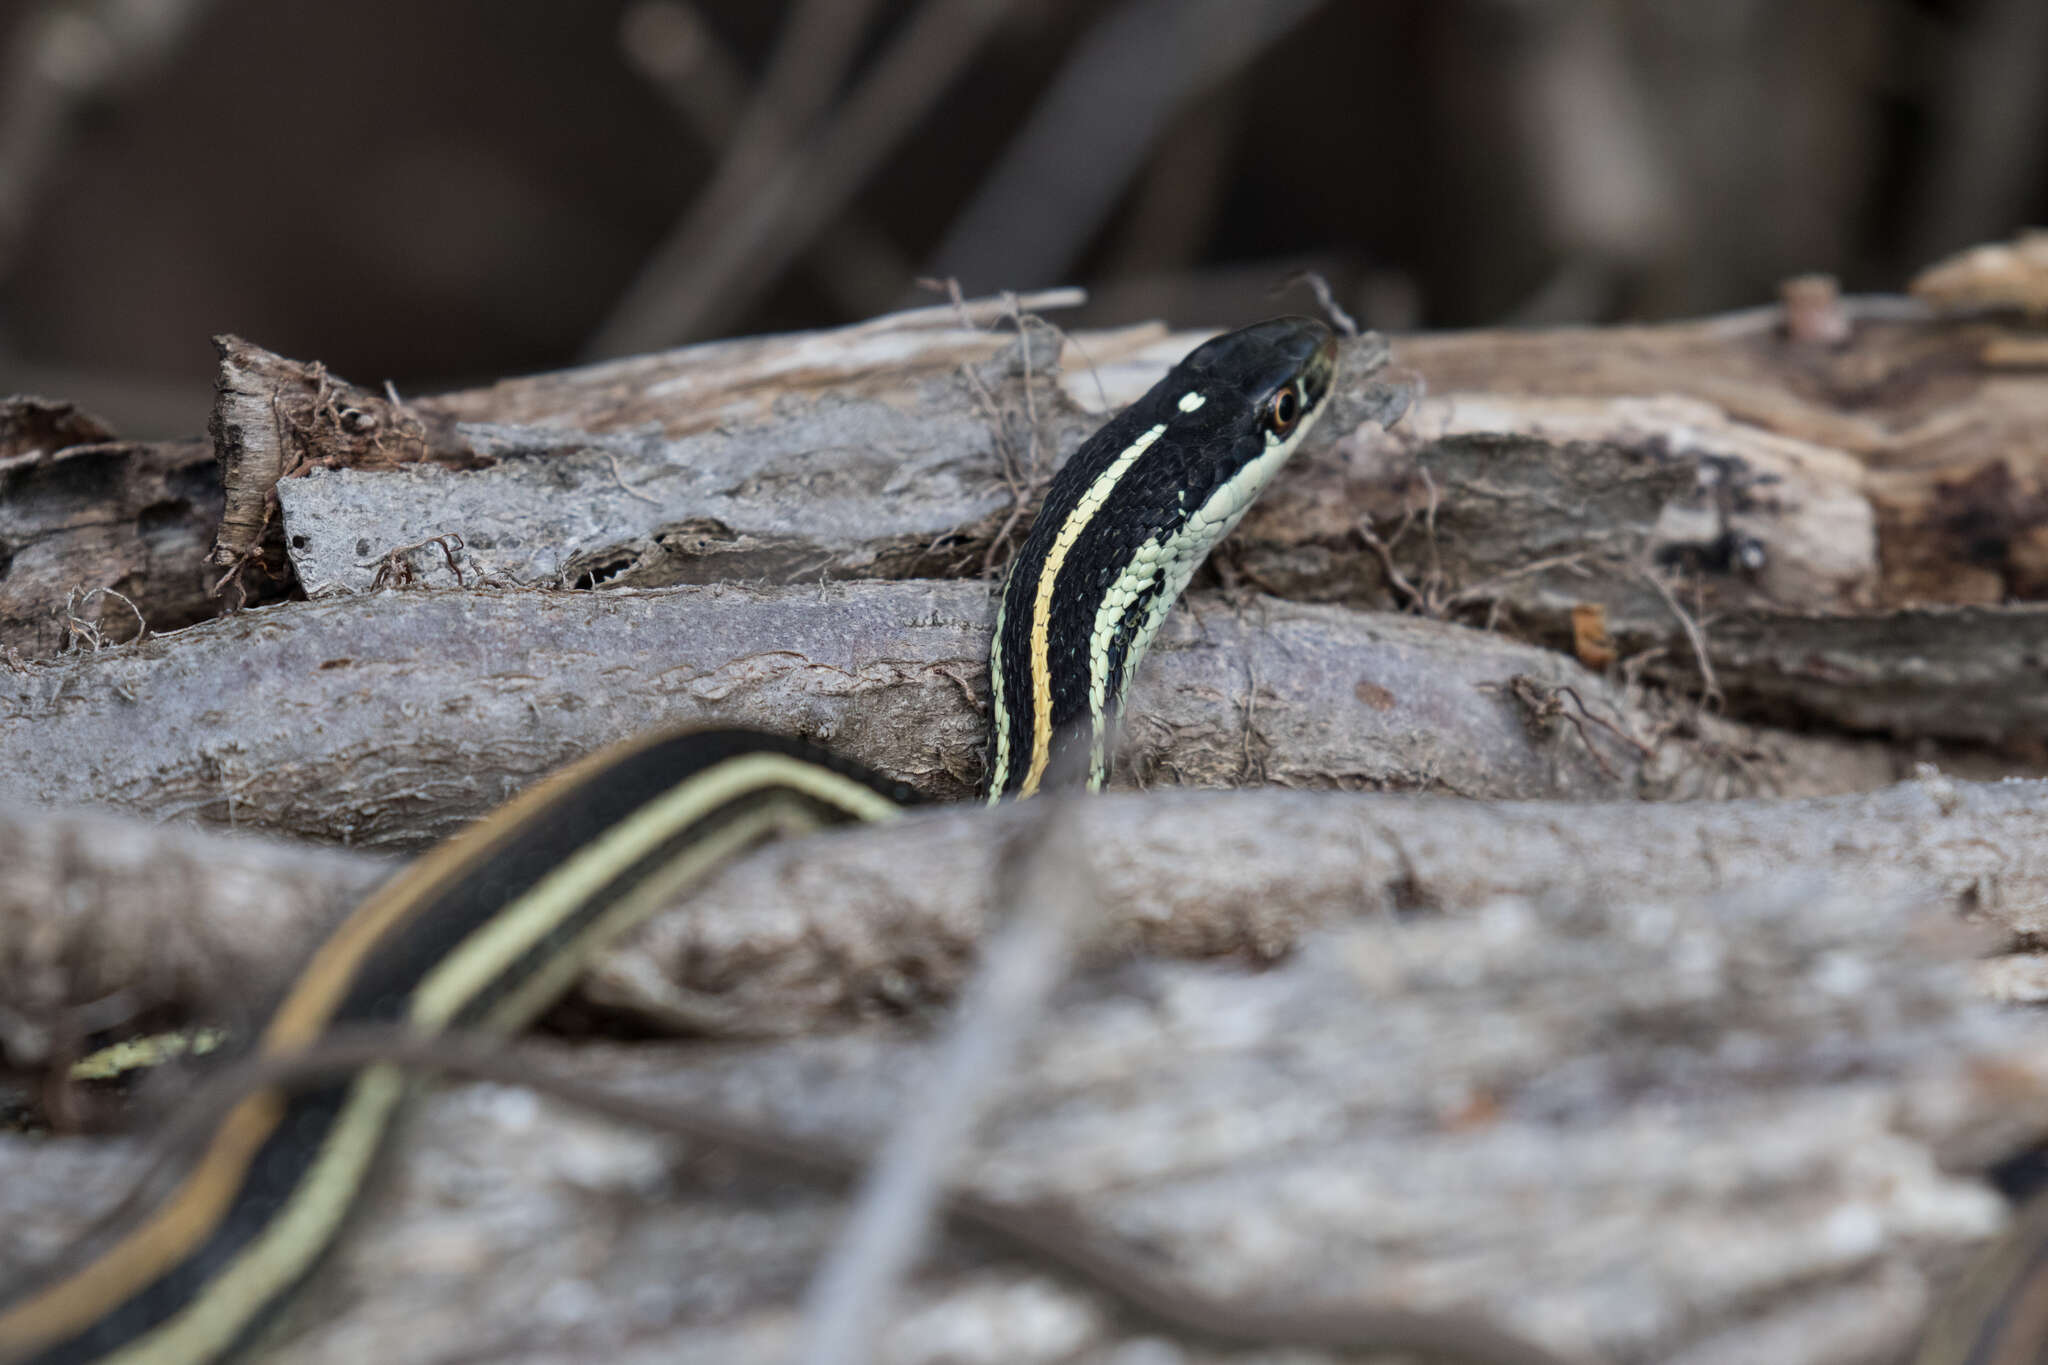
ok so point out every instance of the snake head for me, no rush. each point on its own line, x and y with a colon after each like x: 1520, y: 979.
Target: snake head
x: 1282, y: 368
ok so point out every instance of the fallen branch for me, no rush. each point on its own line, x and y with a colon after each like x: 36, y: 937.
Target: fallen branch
x: 396, y: 718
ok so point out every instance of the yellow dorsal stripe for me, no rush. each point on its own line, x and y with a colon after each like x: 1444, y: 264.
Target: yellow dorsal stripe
x: 317, y: 993
x: 1041, y: 609
x: 485, y: 955
x: 162, y: 1240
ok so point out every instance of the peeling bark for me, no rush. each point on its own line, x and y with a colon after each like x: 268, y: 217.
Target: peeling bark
x: 274, y: 417
x: 132, y: 518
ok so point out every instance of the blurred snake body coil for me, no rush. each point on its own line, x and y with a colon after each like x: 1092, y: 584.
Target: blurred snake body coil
x: 485, y: 932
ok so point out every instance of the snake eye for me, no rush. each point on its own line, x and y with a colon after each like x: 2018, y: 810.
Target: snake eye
x: 1286, y: 409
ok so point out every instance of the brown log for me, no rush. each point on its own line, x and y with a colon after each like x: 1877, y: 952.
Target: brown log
x: 98, y: 537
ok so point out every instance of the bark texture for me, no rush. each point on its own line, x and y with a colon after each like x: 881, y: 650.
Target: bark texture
x: 394, y: 719
x: 105, y: 921
x: 1675, y: 484
x: 81, y: 511
x: 1632, y: 1130
x: 826, y: 930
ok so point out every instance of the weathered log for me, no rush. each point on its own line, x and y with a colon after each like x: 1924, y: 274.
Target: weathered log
x: 1630, y: 1130
x: 394, y: 719
x: 907, y: 470
x: 1964, y: 673
x: 84, y: 517
x: 890, y: 453
x: 1955, y: 523
x: 274, y: 417
x: 1253, y: 873
x: 826, y: 929
x: 1905, y: 390
x: 1518, y: 510
x: 1952, y: 434
x: 104, y: 921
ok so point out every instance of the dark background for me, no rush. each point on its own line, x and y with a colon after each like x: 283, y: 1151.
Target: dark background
x: 446, y: 191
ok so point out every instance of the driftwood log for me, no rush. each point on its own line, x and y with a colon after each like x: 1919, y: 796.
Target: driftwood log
x: 1700, y: 1081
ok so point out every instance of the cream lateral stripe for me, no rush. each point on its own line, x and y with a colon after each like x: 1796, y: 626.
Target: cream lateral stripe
x: 1041, y: 610
x: 784, y: 819
x: 165, y: 1238
x: 290, y: 1242
x: 486, y: 953
x: 321, y: 986
x: 317, y: 1204
x: 999, y: 714
x: 1175, y: 558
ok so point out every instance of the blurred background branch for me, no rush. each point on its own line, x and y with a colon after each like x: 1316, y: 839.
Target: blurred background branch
x: 442, y: 194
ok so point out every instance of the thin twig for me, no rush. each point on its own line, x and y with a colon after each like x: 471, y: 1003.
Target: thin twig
x: 852, y: 1291
x: 974, y: 314
x: 1325, y: 300
x: 1427, y: 600
x: 394, y: 566
x: 1542, y: 700
x: 624, y: 487
x: 1489, y: 586
x: 1710, y: 691
x: 78, y: 628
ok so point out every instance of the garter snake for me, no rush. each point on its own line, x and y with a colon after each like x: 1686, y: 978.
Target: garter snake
x: 486, y: 931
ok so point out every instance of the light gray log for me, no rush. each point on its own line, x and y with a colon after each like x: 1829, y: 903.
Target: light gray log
x: 905, y: 470
x: 1642, y: 1130
x: 395, y: 719
x: 104, y: 919
x: 890, y: 918
x: 799, y: 935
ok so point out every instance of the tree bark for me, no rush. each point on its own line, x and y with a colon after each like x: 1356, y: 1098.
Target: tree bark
x: 394, y: 719
x: 80, y: 512
x: 1631, y: 1130
x: 816, y: 932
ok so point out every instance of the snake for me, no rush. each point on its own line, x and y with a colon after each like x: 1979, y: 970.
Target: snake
x: 484, y: 932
